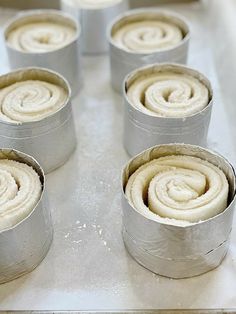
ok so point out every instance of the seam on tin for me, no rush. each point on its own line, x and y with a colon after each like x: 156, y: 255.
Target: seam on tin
x: 189, y: 257
x: 146, y: 60
x: 5, y: 277
x: 57, y: 126
x: 160, y: 129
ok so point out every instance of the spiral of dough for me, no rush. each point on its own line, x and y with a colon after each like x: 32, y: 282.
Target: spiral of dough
x: 148, y: 36
x: 20, y: 190
x: 168, y: 94
x: 30, y: 100
x: 40, y: 37
x: 91, y: 4
x: 178, y: 187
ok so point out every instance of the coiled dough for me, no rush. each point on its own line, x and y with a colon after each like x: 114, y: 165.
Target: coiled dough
x: 39, y: 37
x: 20, y: 190
x: 148, y: 36
x: 178, y: 188
x: 30, y: 100
x: 168, y: 94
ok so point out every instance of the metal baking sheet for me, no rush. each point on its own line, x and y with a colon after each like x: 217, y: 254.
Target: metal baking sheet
x: 87, y: 266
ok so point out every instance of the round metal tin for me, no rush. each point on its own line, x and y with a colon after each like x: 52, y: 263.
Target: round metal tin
x: 25, y: 245
x: 51, y: 140
x: 173, y: 250
x: 142, y: 131
x: 65, y: 60
x: 94, y: 24
x: 124, y: 61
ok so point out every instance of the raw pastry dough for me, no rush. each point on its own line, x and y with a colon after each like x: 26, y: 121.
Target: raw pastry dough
x: 147, y: 36
x: 20, y: 190
x: 182, y: 188
x: 168, y: 94
x: 41, y: 37
x: 30, y: 101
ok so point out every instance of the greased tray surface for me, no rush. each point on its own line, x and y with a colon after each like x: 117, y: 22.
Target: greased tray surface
x: 87, y: 266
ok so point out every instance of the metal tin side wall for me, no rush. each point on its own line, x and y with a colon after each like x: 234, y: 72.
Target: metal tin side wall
x: 168, y: 249
x: 25, y: 245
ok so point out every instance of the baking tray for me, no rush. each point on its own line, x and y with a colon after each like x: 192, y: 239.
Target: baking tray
x: 87, y: 267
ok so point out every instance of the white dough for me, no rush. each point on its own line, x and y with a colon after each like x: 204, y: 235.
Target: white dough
x: 30, y: 101
x: 147, y: 36
x: 168, y: 94
x: 39, y: 37
x: 178, y: 189
x: 20, y: 190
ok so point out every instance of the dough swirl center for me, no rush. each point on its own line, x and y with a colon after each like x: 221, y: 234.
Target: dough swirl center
x: 183, y: 188
x: 40, y: 37
x: 30, y: 101
x: 167, y: 94
x: 148, y: 36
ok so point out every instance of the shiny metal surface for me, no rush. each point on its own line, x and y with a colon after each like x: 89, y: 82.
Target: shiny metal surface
x: 25, y: 245
x: 87, y: 266
x: 142, y: 131
x: 123, y: 62
x: 170, y: 250
x: 65, y: 60
x: 220, y: 311
x: 51, y: 140
x: 94, y: 24
x: 141, y: 3
x: 176, y: 268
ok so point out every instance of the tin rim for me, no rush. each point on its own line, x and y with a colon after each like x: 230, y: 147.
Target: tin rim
x: 178, y: 68
x: 169, y: 14
x: 209, y: 152
x: 37, y: 13
x: 41, y: 71
x: 108, y: 6
x: 32, y: 162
